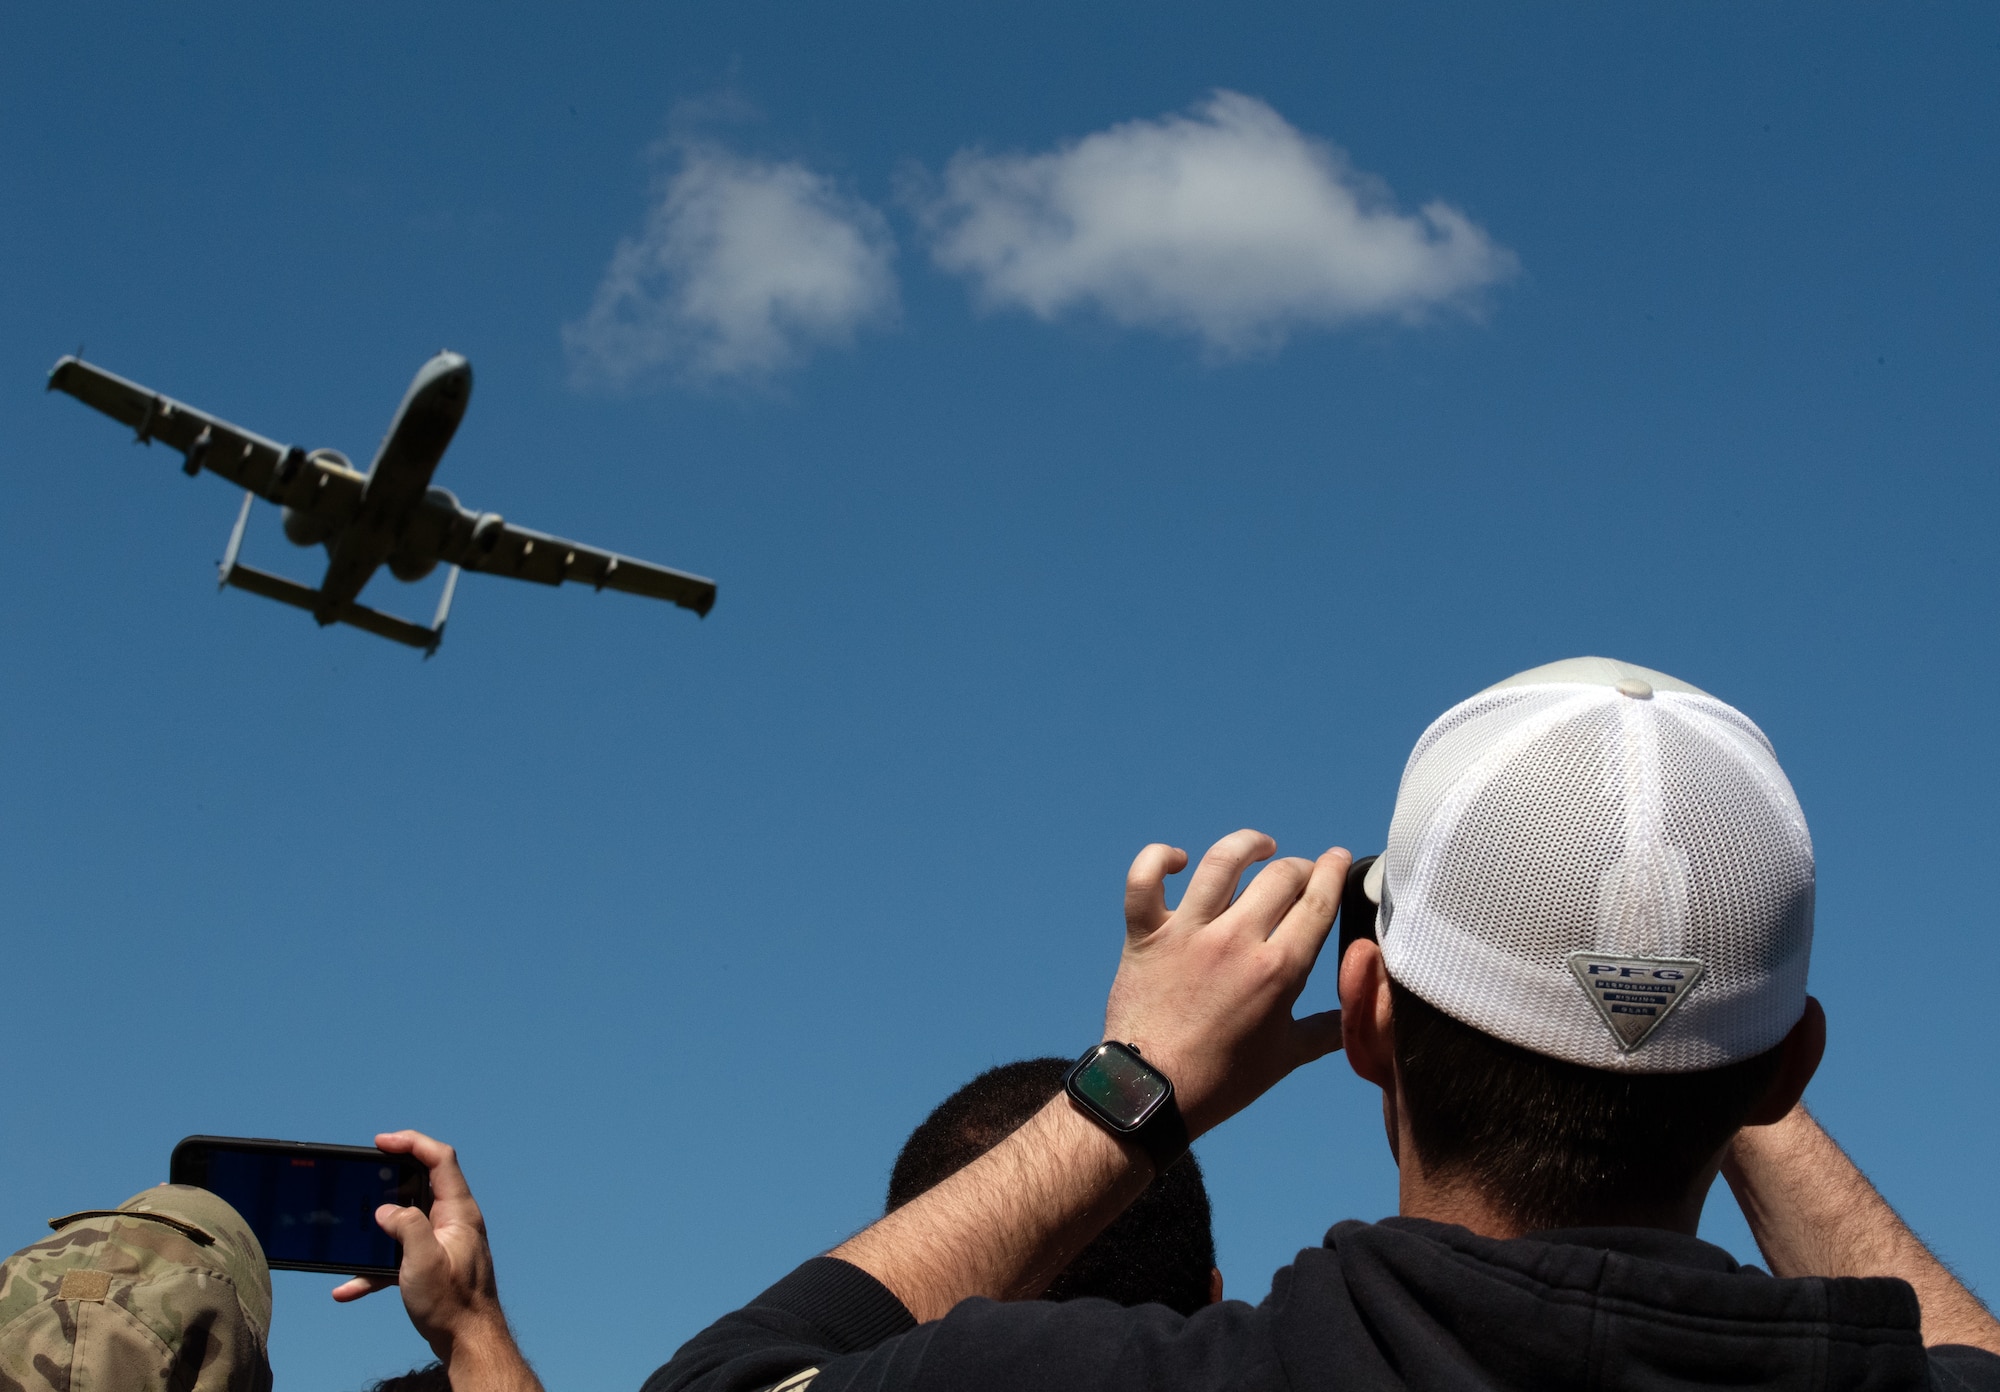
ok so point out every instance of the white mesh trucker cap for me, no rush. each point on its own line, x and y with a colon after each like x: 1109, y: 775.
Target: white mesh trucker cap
x: 1602, y: 864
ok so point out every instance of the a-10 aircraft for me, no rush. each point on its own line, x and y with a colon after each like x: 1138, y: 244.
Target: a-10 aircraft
x: 388, y: 515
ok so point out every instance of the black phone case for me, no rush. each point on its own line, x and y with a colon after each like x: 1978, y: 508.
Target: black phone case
x: 1357, y: 911
x: 189, y: 1165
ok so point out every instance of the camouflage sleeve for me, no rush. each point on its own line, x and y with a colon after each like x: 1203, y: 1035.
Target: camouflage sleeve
x: 170, y: 1289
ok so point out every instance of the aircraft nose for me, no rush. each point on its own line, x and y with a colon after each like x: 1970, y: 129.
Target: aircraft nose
x: 449, y: 373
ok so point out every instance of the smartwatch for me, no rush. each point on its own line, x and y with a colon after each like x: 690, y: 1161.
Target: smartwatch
x: 1130, y: 1098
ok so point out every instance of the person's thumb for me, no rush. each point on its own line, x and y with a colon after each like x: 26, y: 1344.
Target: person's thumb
x: 412, y: 1228
x: 1317, y: 1035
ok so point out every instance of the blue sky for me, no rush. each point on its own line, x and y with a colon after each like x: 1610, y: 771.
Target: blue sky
x: 1049, y: 520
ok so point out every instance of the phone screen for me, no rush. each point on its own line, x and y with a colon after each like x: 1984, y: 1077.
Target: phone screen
x: 312, y: 1206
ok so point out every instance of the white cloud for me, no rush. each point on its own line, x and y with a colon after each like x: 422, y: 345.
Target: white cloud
x: 1227, y: 223
x: 743, y: 268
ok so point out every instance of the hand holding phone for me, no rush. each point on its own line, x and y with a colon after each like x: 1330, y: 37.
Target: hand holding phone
x: 400, y: 1214
x: 447, y: 1279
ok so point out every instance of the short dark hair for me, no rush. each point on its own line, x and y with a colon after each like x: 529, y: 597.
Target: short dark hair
x: 429, y: 1378
x: 1556, y: 1144
x: 1160, y: 1249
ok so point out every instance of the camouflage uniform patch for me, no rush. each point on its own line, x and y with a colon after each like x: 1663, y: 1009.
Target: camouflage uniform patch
x: 169, y: 1290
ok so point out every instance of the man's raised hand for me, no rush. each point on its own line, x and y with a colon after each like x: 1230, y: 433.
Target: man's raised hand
x: 1206, y: 991
x: 447, y: 1280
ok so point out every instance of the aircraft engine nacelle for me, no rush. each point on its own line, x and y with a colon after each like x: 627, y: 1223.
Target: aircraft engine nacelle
x: 427, y: 534
x: 303, y: 529
x: 486, y: 532
x: 408, y: 568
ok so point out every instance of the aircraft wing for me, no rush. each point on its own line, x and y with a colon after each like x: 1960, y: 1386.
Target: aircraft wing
x: 282, y: 473
x: 504, y: 549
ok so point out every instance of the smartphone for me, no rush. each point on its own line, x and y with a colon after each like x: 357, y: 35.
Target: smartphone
x: 312, y: 1206
x: 1357, y: 910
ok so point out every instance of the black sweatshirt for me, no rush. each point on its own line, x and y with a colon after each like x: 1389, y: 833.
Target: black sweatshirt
x: 1385, y: 1306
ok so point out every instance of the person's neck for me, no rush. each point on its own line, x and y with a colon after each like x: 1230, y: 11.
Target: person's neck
x: 1452, y: 1199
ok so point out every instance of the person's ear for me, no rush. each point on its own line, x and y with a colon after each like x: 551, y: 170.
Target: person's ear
x: 1215, y: 1285
x: 1802, y: 1050
x: 1367, y: 1032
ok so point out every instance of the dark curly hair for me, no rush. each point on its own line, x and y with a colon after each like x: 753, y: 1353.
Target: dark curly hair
x: 1160, y: 1249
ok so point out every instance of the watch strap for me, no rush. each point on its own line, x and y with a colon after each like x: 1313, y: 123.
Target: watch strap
x: 1164, y: 1135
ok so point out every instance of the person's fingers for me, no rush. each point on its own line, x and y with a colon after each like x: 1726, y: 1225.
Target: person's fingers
x: 1317, y: 1035
x: 1146, y: 887
x: 447, y: 1180
x: 1266, y: 900
x: 1304, y: 930
x: 1214, y: 882
x: 362, y: 1285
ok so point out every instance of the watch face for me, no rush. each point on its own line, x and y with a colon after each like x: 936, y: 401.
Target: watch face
x: 1121, y: 1086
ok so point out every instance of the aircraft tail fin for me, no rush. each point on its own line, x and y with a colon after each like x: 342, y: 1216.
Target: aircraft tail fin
x: 389, y: 626
x: 262, y: 582
x: 235, y: 575
x: 443, y: 613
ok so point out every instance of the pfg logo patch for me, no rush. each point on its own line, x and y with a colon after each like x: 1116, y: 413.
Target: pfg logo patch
x: 1634, y: 994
